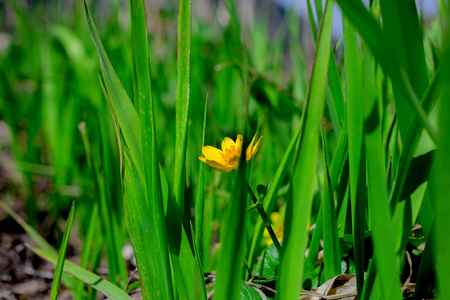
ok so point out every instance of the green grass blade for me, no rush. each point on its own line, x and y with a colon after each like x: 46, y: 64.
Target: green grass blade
x: 155, y: 272
x: 104, y: 286
x: 299, y: 207
x: 182, y: 117
x: 139, y: 226
x: 412, y: 141
x: 159, y: 255
x: 383, y: 51
x: 231, y: 259
x: 386, y: 264
x: 355, y: 121
x: 331, y: 250
x: 442, y: 174
x: 400, y: 23
x: 186, y: 266
x: 127, y: 117
x: 112, y: 255
x: 312, y: 23
x: 62, y: 255
x: 87, y: 249
x: 336, y: 91
x: 200, y: 201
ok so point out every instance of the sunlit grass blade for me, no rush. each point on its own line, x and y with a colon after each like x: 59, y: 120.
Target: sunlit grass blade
x: 299, y: 206
x: 104, y: 286
x: 355, y: 113
x: 158, y: 255
x: 182, y: 117
x: 442, y: 174
x: 62, y: 255
x: 231, y: 260
x: 331, y: 250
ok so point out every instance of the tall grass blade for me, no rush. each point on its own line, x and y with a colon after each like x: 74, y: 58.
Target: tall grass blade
x: 142, y: 214
x: 386, y: 264
x: 331, y: 249
x: 182, y: 117
x: 123, y: 109
x: 187, y: 268
x: 62, y: 255
x: 400, y: 23
x: 231, y: 260
x: 200, y: 201
x: 158, y: 256
x: 113, y: 256
x: 139, y: 225
x: 442, y: 175
x: 299, y: 207
x: 382, y: 49
x: 355, y: 113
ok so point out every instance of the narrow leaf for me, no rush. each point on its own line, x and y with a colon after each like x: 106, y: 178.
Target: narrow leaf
x: 299, y: 207
x: 62, y: 255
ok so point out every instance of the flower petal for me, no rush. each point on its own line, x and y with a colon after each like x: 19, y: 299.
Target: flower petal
x: 239, y: 141
x: 252, y: 149
x: 248, y: 152
x: 221, y: 168
x: 230, y: 148
x: 212, y: 153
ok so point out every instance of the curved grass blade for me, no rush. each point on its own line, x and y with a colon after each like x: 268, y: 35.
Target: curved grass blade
x: 182, y: 115
x: 356, y: 157
x: 62, y: 255
x: 299, y: 207
x: 127, y: 117
x: 141, y: 213
x: 104, y: 286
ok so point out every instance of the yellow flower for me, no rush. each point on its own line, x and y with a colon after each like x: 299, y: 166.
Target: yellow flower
x: 227, y: 159
x: 277, y: 226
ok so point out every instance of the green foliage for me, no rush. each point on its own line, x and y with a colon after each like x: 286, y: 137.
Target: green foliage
x: 351, y: 175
